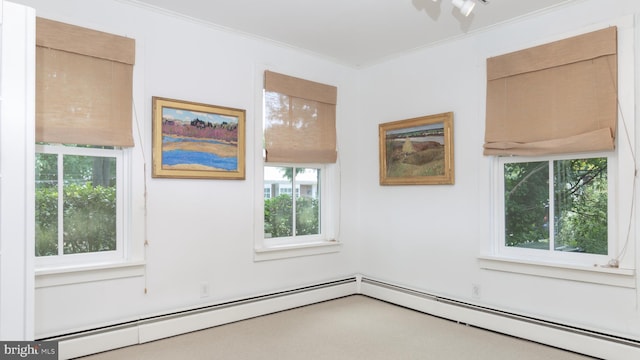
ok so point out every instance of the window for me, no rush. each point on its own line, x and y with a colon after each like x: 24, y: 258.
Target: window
x: 84, y: 135
x: 79, y: 197
x: 286, y: 215
x: 555, y: 209
x: 563, y: 179
x: 563, y: 216
x: 297, y: 211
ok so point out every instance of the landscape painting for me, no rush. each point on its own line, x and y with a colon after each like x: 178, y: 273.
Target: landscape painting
x: 417, y: 151
x: 199, y: 141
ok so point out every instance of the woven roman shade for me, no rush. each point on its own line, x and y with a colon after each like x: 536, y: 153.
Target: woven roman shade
x: 555, y: 98
x: 83, y: 85
x: 300, y: 120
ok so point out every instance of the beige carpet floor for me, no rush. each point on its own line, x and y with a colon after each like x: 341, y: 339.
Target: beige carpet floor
x: 354, y: 327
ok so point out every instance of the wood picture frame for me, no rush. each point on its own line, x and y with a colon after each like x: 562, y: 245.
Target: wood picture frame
x: 417, y: 151
x: 197, y: 141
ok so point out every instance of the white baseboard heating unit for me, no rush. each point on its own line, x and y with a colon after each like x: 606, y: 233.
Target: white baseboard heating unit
x: 181, y: 322
x: 566, y: 337
x: 152, y: 328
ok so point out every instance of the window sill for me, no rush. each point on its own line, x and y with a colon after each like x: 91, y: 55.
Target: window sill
x: 289, y: 251
x: 591, y: 274
x: 57, y: 276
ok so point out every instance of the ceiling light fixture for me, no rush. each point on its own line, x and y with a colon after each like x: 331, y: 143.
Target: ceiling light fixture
x: 465, y: 6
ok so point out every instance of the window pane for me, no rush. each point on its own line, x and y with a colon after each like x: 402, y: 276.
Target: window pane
x: 283, y: 218
x: 278, y: 210
x: 89, y: 204
x: 307, y: 204
x: 581, y: 205
x: 46, y: 212
x: 526, y: 201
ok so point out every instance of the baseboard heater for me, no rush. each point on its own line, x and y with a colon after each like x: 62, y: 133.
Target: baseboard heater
x: 176, y: 323
x: 584, y: 341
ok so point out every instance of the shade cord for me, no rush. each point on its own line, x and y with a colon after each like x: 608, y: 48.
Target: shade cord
x: 615, y: 261
x: 144, y: 176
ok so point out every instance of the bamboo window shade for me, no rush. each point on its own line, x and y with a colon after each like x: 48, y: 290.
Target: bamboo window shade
x: 83, y: 85
x: 555, y: 98
x: 300, y: 120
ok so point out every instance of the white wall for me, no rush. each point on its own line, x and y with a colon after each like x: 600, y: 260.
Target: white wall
x: 383, y: 232
x: 429, y: 237
x: 199, y: 231
x: 17, y: 99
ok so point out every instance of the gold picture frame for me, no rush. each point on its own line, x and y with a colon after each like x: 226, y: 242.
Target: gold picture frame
x: 417, y: 151
x: 197, y: 141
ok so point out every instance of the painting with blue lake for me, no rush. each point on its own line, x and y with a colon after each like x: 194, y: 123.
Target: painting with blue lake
x: 193, y: 140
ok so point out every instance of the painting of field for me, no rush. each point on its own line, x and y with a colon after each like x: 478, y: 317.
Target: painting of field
x: 417, y: 151
x: 197, y: 140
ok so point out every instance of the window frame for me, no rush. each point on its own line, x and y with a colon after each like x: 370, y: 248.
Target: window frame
x: 123, y: 202
x: 301, y: 240
x: 299, y: 245
x: 578, y: 259
x: 564, y: 266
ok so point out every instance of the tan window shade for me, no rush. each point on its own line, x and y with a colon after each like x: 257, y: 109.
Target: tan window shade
x: 300, y: 120
x: 83, y: 85
x: 555, y: 98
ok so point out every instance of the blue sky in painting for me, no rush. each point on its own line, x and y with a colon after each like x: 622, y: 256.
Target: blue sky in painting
x: 187, y: 116
x: 417, y: 128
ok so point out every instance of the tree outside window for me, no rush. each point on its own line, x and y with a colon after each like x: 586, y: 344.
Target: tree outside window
x: 86, y: 197
x: 573, y: 218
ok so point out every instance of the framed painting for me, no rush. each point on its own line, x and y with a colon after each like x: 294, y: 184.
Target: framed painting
x: 197, y: 141
x: 417, y: 151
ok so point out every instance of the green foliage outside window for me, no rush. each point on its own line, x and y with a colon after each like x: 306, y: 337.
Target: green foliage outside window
x: 88, y: 204
x: 580, y: 196
x: 581, y: 192
x: 307, y: 216
x: 526, y: 204
x: 89, y: 219
x: 278, y: 216
x: 46, y: 222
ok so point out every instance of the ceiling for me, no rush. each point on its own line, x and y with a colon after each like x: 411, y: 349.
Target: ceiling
x: 353, y: 32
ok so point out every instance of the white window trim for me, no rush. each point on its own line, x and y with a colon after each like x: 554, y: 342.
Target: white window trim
x: 121, y: 212
x: 82, y: 268
x: 552, y: 255
x: 272, y: 249
x: 285, y: 247
x: 576, y: 267
x: 58, y: 276
x: 591, y: 274
x: 296, y: 250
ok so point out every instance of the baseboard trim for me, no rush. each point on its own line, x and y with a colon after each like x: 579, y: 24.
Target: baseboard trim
x: 557, y: 335
x: 93, y: 343
x: 163, y: 326
x: 158, y: 327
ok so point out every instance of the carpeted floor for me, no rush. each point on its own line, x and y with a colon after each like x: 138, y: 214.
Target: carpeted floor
x: 354, y: 327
